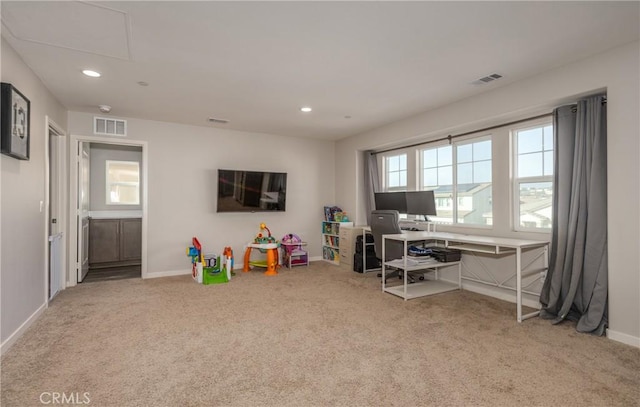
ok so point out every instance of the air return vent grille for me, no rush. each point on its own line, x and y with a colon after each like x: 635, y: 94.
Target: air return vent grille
x: 487, y: 79
x: 109, y: 127
x: 216, y: 120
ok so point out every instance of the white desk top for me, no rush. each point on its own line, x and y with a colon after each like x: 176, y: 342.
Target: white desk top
x: 470, y: 239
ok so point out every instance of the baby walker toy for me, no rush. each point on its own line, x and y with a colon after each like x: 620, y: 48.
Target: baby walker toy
x: 266, y: 244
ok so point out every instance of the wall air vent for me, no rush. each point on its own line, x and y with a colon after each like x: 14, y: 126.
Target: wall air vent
x: 109, y: 127
x: 487, y: 79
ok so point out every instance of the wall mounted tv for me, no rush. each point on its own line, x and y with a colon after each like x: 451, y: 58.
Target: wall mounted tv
x: 251, y: 191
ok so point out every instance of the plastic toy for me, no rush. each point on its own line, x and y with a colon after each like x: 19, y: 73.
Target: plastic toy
x: 197, y: 259
x: 266, y: 244
x: 227, y: 265
x: 293, y: 253
x: 211, y: 273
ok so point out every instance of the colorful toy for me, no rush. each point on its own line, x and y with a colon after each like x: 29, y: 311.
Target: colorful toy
x: 293, y: 253
x: 266, y: 244
x: 227, y: 266
x: 197, y: 259
x: 211, y: 273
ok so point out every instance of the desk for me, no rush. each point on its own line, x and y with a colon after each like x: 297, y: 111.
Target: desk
x: 480, y: 244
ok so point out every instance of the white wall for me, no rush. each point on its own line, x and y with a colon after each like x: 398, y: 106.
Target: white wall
x: 182, y: 187
x: 22, y: 264
x: 616, y: 71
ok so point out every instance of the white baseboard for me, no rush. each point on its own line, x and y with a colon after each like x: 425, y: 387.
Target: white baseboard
x: 624, y: 338
x: 315, y: 258
x: 171, y: 273
x: 495, y: 292
x: 18, y: 332
x: 168, y: 273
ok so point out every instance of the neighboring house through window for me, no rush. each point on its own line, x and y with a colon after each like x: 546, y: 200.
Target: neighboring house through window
x: 533, y: 177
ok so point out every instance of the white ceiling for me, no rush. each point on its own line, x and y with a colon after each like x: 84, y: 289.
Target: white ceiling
x: 358, y: 64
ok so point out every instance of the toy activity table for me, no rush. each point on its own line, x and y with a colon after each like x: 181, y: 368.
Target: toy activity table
x: 271, y: 263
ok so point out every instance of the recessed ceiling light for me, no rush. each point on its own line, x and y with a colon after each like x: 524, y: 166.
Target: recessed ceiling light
x: 91, y: 73
x: 305, y: 109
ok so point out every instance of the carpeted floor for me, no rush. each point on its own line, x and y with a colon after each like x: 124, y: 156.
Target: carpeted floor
x: 316, y: 336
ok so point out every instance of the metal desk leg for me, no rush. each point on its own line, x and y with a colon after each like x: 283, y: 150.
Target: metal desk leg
x: 519, y: 283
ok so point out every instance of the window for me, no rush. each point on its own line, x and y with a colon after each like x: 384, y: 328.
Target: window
x: 396, y: 173
x: 122, y: 182
x: 469, y: 164
x: 473, y: 186
x: 437, y: 175
x: 533, y: 177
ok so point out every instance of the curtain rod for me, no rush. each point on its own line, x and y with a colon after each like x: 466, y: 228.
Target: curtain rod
x: 450, y: 137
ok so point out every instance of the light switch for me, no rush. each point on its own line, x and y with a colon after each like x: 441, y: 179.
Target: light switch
x: 41, y: 205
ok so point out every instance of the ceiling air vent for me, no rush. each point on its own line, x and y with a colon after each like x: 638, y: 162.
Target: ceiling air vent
x: 109, y: 127
x: 487, y: 79
x: 216, y: 120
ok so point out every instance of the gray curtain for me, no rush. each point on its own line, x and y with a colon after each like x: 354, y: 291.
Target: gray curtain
x: 576, y: 283
x: 371, y: 182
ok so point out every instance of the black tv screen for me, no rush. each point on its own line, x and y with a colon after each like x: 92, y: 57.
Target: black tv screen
x: 251, y: 191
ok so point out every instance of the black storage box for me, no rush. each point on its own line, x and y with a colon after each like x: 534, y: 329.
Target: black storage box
x: 372, y: 262
x: 445, y: 255
x: 370, y: 248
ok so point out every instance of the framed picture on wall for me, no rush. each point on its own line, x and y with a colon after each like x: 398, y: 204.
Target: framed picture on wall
x: 14, y: 122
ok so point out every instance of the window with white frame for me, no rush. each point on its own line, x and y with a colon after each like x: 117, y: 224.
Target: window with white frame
x: 533, y: 177
x: 122, y: 182
x: 437, y: 175
x: 460, y: 176
x: 395, y: 169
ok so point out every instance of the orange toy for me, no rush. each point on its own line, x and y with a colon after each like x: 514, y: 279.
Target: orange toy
x: 265, y: 244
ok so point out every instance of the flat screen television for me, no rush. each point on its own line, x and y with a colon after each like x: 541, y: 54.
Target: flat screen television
x: 251, y: 191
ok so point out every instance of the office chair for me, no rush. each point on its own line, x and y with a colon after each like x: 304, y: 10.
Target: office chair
x: 385, y: 222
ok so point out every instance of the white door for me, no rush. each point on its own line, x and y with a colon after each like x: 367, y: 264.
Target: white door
x: 56, y: 237
x: 83, y: 209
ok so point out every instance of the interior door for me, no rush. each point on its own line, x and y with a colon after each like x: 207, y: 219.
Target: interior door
x: 55, y: 230
x: 83, y: 209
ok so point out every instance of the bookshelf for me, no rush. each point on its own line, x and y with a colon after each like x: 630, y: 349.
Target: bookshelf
x: 331, y: 240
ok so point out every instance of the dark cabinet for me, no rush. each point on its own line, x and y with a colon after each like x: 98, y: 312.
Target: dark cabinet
x: 115, y: 242
x: 130, y: 239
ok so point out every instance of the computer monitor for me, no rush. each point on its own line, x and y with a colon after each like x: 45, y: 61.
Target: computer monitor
x: 391, y: 201
x: 421, y: 203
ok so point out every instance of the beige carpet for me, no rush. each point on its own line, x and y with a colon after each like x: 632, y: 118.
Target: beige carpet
x: 316, y: 336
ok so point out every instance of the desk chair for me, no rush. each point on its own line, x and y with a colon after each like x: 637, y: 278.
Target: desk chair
x: 385, y: 222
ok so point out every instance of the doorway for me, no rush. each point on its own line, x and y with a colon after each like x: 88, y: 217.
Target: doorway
x: 108, y: 234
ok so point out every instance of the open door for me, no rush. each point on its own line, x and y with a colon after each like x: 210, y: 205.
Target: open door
x: 55, y: 215
x: 83, y: 209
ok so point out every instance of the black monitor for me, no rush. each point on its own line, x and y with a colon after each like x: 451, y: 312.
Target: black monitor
x: 391, y: 201
x: 421, y: 203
